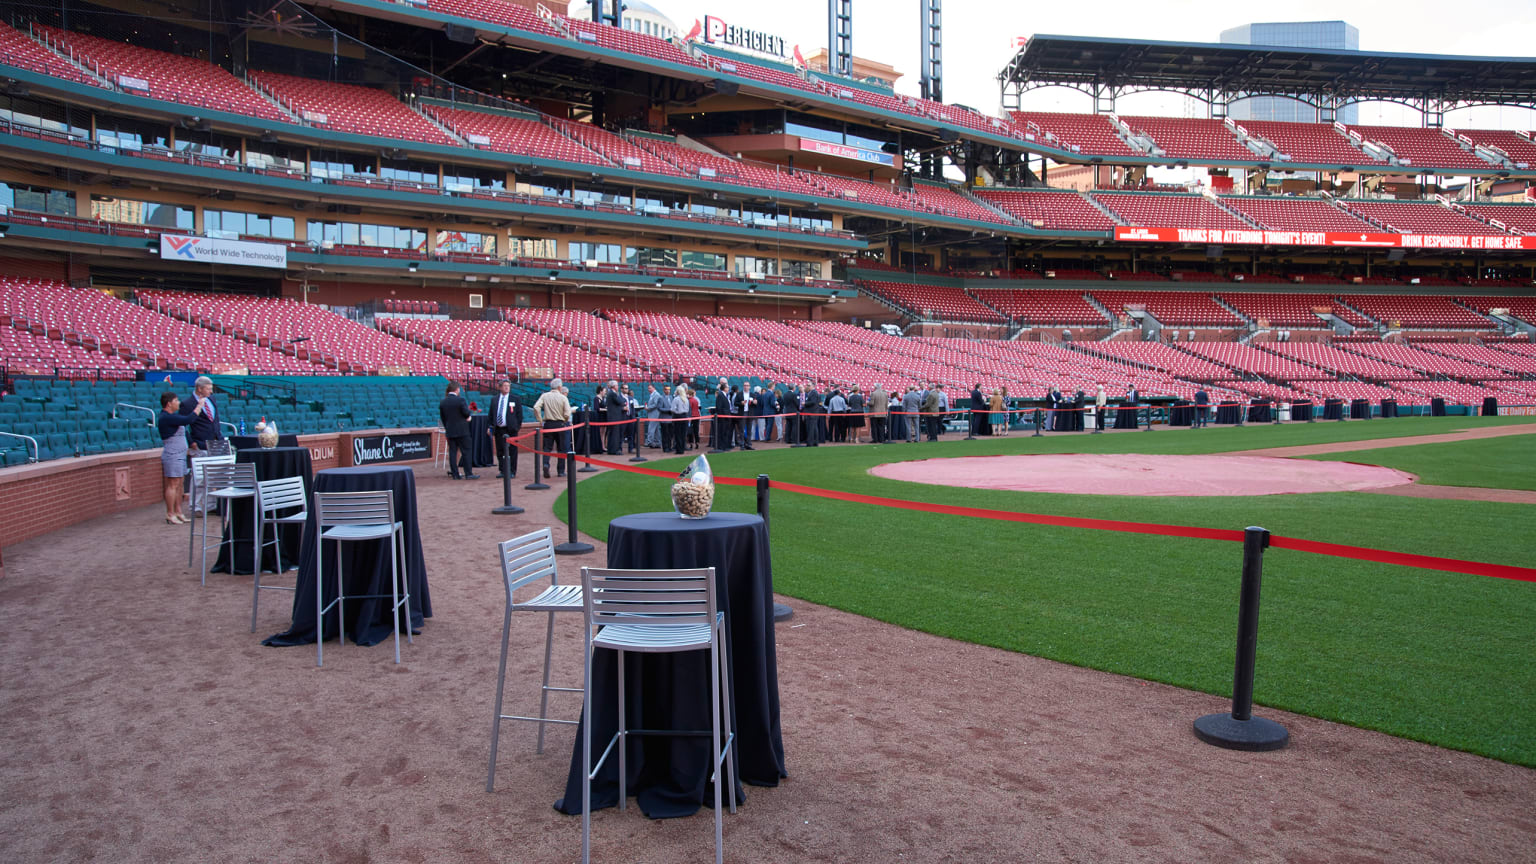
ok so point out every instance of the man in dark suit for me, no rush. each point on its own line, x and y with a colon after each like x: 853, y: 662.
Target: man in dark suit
x: 1202, y: 402
x: 978, y: 411
x: 721, y: 431
x: 816, y: 417
x: 615, y: 403
x: 506, y: 422
x: 205, y: 424
x: 792, y: 425
x: 454, y: 412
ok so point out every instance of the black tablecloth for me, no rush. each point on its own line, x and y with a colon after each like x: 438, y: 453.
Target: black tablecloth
x: 1228, y: 412
x: 1125, y: 418
x: 1389, y: 407
x: 1260, y: 412
x: 1437, y: 407
x: 1301, y: 410
x: 249, y: 442
x: 1360, y: 409
x: 482, y: 447
x: 1490, y: 406
x: 273, y: 464
x: 1181, y: 414
x: 669, y: 776
x: 1333, y: 409
x: 369, y: 622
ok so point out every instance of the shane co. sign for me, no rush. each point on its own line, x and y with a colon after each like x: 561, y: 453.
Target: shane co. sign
x: 376, y: 449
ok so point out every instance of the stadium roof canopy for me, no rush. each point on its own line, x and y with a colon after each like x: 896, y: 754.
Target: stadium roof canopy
x: 1324, y: 74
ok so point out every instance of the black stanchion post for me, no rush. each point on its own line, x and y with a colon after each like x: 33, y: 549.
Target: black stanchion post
x: 1274, y: 413
x: 1311, y: 415
x: 1148, y: 427
x: 1037, y: 424
x: 970, y: 431
x: 533, y: 452
x: 571, y: 546
x: 638, y: 432
x: 586, y: 444
x: 1240, y: 730
x: 780, y: 611
x: 1098, y: 418
x: 507, y: 507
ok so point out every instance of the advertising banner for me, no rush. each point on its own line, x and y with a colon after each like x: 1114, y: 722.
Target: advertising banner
x: 843, y: 151
x: 209, y: 250
x: 404, y: 447
x: 1324, y: 238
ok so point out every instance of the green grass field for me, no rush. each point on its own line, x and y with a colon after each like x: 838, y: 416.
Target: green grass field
x: 1439, y: 657
x: 1490, y: 463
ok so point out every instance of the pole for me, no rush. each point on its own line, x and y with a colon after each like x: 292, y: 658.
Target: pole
x: 1037, y: 424
x: 970, y: 431
x: 637, y: 439
x: 507, y: 508
x: 572, y: 546
x: 1148, y: 427
x: 1239, y: 729
x: 781, y: 612
x: 586, y: 440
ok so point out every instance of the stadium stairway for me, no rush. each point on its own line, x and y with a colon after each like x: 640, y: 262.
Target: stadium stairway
x: 1235, y: 213
x: 441, y: 126
x: 1099, y: 206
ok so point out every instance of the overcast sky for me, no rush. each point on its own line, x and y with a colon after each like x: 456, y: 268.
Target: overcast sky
x: 979, y: 38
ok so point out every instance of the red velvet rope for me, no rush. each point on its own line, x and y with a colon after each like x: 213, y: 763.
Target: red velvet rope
x: 1382, y: 556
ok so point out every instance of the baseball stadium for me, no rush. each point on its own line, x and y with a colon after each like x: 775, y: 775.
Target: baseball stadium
x: 1115, y: 451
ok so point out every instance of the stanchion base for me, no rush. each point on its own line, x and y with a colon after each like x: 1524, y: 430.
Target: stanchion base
x: 782, y: 612
x: 1255, y: 733
x: 638, y: 459
x: 536, y: 486
x: 507, y: 509
x: 573, y: 548
x: 587, y: 469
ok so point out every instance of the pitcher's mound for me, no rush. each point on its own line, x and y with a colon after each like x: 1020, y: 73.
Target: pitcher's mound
x: 1143, y: 474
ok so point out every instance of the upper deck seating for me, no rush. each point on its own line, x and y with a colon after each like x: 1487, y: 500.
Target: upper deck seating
x: 1296, y: 214
x: 1415, y: 311
x: 1313, y: 143
x: 1088, y: 134
x: 170, y: 77
x: 1064, y: 210
x: 1173, y: 308
x: 1423, y: 148
x: 1191, y: 138
x: 1407, y: 217
x: 350, y: 108
x: 524, y: 136
x: 19, y: 49
x: 1169, y: 211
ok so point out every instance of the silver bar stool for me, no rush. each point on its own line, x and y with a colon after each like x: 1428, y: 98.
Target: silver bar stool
x: 197, y: 506
x: 526, y: 560
x: 223, y: 484
x: 348, y: 517
x: 655, y: 611
x: 276, y: 500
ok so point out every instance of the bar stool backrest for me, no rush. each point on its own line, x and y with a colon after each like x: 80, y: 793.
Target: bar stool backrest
x: 354, y: 508
x: 527, y: 559
x: 649, y: 598
x: 199, y: 463
x: 218, y: 446
x: 229, y: 476
x: 281, y: 494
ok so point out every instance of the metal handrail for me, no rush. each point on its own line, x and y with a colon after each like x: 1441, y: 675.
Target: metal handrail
x: 149, y: 411
x: 25, y: 438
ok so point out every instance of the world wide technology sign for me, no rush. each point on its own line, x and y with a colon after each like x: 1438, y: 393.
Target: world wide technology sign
x: 1217, y: 236
x: 210, y: 250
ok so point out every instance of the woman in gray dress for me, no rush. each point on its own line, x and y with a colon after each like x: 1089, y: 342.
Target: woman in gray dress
x: 173, y: 458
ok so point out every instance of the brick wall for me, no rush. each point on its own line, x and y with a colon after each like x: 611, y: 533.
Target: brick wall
x: 38, y: 499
